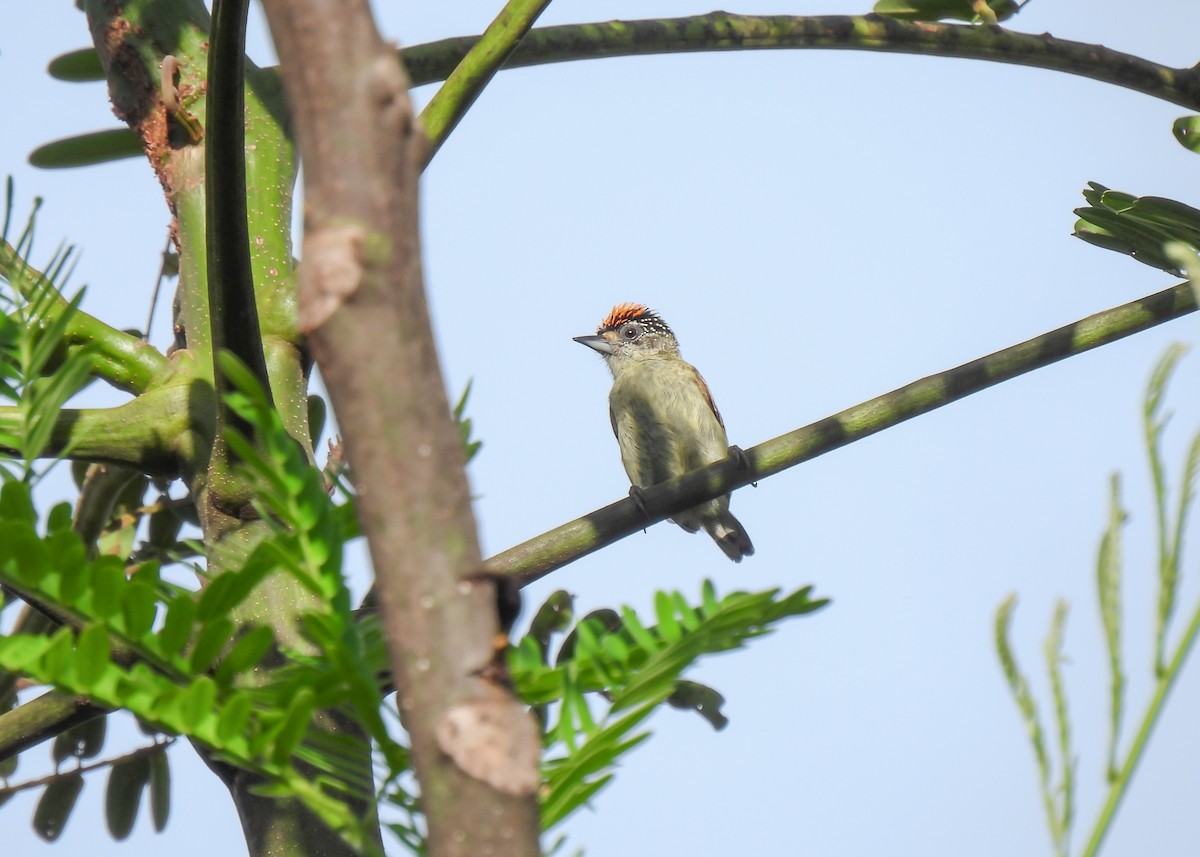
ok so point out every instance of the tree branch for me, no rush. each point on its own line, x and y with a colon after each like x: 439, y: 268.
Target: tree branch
x: 480, y: 64
x: 49, y: 715
x: 362, y: 298
x: 543, y: 554
x: 722, y: 31
x: 151, y: 433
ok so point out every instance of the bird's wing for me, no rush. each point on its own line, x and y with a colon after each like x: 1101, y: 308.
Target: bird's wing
x: 707, y: 395
x: 612, y: 419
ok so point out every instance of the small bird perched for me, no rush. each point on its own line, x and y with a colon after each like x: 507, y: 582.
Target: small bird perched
x: 664, y: 417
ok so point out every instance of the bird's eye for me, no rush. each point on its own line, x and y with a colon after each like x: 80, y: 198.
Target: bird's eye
x: 630, y: 332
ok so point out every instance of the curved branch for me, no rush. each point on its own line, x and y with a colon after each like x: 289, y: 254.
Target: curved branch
x: 543, y: 554
x: 722, y: 31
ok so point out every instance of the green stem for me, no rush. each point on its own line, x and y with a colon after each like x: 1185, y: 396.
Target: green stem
x: 150, y: 433
x: 450, y: 103
x: 1120, y: 785
x: 545, y: 553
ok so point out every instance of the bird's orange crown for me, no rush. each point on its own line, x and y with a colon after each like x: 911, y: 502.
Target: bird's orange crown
x: 622, y: 313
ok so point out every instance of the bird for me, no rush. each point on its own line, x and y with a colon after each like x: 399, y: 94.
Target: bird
x: 664, y: 417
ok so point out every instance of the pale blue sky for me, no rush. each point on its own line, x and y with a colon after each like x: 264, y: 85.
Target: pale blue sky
x: 818, y: 228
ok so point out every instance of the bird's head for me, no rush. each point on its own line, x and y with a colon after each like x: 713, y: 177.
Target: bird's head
x: 631, y: 332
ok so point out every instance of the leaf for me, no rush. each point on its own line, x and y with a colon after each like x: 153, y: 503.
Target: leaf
x: 553, y: 617
x: 84, y: 741
x: 1141, y: 227
x: 85, y: 150
x: 705, y: 701
x: 214, y: 637
x: 197, y: 705
x: 140, y: 609
x: 1187, y: 131
x: 234, y: 718
x: 246, y: 653
x: 126, y: 781
x: 294, y: 727
x: 177, y: 627
x: 160, y: 788
x: 92, y: 654
x: 16, y: 506
x: 78, y: 66
x: 55, y: 805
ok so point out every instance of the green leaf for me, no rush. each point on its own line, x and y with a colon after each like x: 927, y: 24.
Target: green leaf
x: 234, y: 717
x: 92, y: 654
x: 1140, y: 227
x: 214, y: 637
x: 16, y: 506
x: 85, y: 150
x: 246, y: 653
x: 668, y: 625
x: 55, y: 805
x: 705, y: 701
x: 294, y: 727
x: 553, y: 617
x: 227, y: 591
x: 107, y: 587
x: 84, y: 741
x: 126, y: 781
x: 197, y: 705
x: 1187, y: 132
x: 140, y: 609
x: 177, y: 627
x: 60, y: 518
x: 78, y: 66
x: 160, y: 788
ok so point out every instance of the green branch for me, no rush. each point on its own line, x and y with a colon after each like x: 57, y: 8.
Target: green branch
x: 450, y: 103
x: 122, y: 359
x: 721, y: 31
x: 545, y: 553
x: 150, y: 433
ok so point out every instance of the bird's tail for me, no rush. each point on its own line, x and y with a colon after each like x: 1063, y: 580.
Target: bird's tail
x: 730, y: 536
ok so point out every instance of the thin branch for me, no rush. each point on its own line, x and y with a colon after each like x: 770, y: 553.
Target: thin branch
x: 721, y: 31
x: 451, y: 102
x: 49, y: 715
x: 156, y: 747
x: 543, y: 554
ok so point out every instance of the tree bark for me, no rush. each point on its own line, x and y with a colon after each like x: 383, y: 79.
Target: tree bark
x: 362, y: 301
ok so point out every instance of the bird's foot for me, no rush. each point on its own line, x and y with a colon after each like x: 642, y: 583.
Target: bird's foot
x: 638, y: 496
x: 743, y: 461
